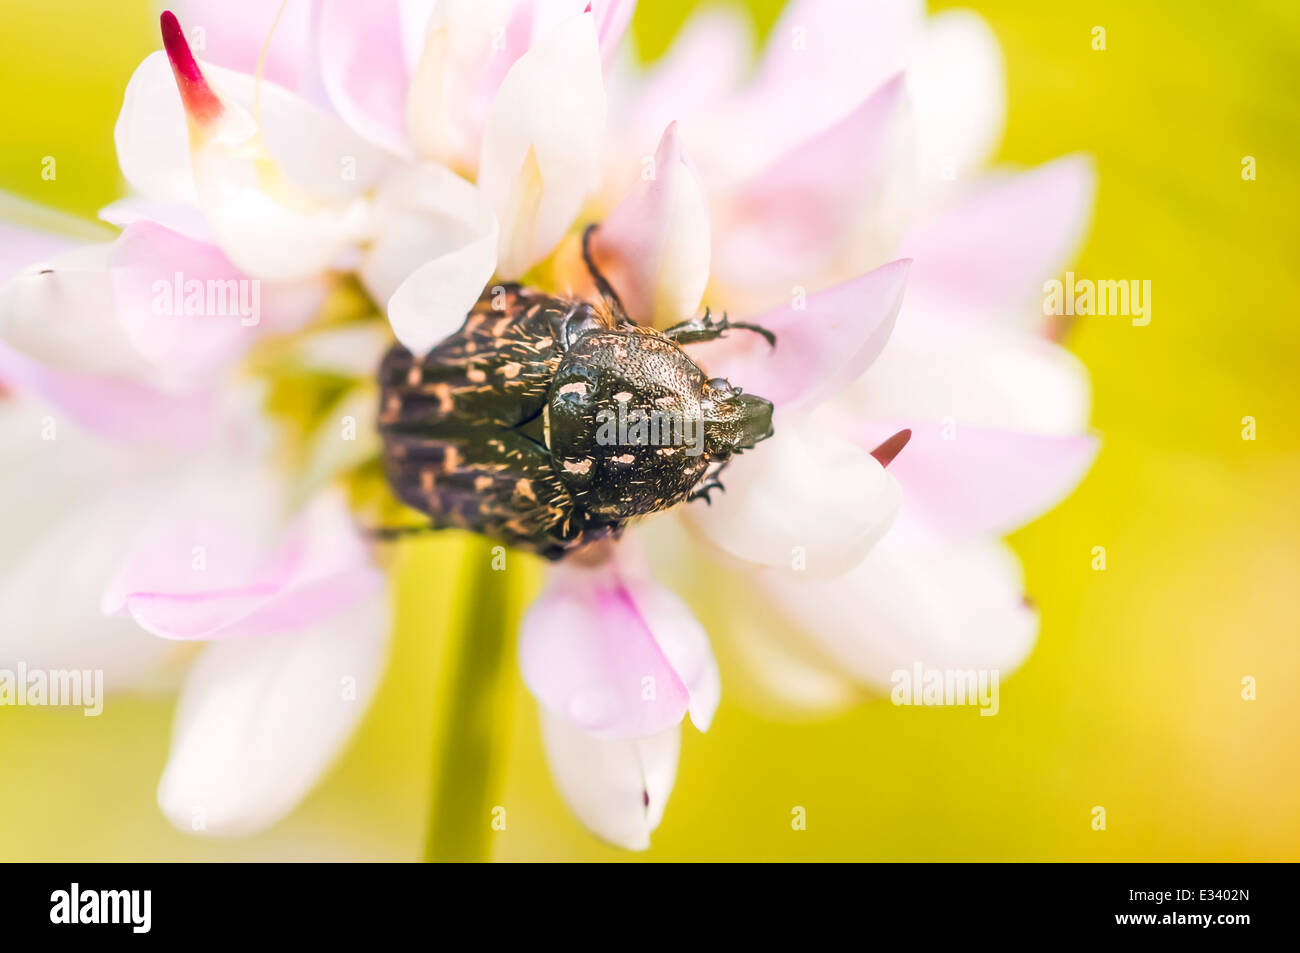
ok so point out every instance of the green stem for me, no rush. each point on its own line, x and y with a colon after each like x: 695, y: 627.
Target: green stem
x: 474, y: 714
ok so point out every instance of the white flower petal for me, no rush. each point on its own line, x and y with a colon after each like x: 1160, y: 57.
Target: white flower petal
x: 972, y: 372
x: 958, y: 96
x: 153, y: 148
x: 71, y: 508
x: 31, y: 232
x: 423, y: 212
x: 464, y: 55
x: 123, y: 310
x: 617, y: 788
x: 541, y: 152
x: 347, y: 437
x: 261, y: 719
x: 440, y: 226
x: 63, y: 313
x: 942, y: 604
x: 805, y: 496
x: 185, y: 220
x: 278, y: 180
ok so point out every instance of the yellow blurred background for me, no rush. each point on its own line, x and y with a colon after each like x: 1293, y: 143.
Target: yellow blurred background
x: 1132, y: 699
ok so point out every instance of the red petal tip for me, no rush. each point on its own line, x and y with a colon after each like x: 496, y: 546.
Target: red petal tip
x: 201, y: 103
x: 887, y: 451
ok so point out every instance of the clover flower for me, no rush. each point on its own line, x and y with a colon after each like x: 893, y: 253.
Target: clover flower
x: 805, y: 196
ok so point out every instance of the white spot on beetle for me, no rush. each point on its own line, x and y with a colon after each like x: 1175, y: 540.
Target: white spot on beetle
x: 577, y: 387
x: 578, y: 466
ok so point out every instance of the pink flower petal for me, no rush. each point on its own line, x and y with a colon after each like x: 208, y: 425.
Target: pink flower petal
x: 823, y: 59
x: 686, y: 646
x: 983, y: 481
x: 322, y: 568
x: 71, y: 505
x: 843, y: 196
x: 612, y: 19
x: 185, y: 308
x: 617, y: 655
x: 706, y: 62
x: 654, y: 246
x: 364, y: 67
x: 231, y: 33
x: 121, y: 409
x: 992, y: 250
x: 822, y: 344
x: 252, y: 611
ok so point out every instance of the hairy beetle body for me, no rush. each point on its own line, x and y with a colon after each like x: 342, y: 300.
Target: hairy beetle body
x: 549, y: 423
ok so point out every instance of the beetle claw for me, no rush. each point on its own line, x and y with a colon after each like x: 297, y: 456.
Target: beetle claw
x: 707, y: 487
x: 708, y: 328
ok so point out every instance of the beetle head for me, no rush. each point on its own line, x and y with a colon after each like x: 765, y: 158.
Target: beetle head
x: 733, y: 421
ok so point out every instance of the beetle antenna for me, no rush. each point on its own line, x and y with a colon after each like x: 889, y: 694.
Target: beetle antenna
x: 602, y: 285
x: 390, y: 534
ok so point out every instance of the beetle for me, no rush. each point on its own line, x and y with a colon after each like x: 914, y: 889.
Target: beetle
x: 548, y: 423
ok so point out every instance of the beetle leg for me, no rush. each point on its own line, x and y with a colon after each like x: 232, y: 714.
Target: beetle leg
x: 602, y: 284
x: 708, y: 328
x: 711, y: 482
x: 578, y: 322
x: 389, y: 534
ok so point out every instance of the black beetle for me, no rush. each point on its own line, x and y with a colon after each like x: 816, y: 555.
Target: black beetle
x: 548, y: 423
